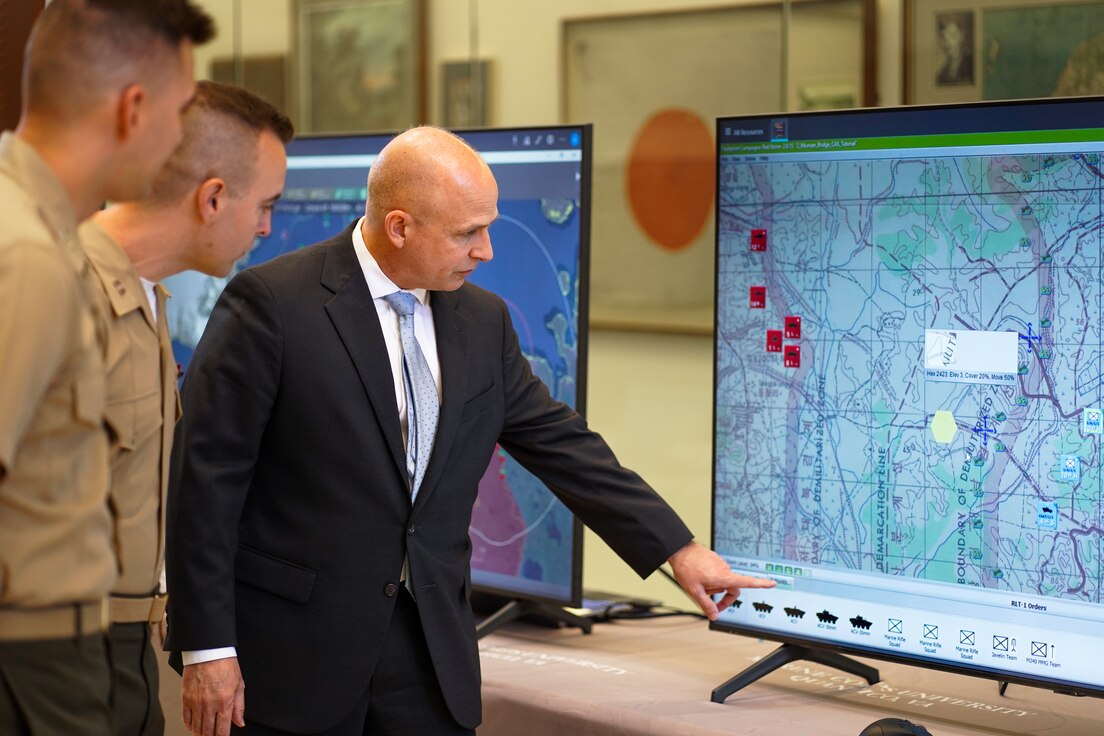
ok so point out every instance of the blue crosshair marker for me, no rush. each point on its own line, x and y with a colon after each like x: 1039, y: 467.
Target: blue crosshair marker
x: 985, y: 430
x: 1030, y: 337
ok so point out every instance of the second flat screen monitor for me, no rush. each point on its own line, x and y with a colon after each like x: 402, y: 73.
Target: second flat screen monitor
x: 525, y: 543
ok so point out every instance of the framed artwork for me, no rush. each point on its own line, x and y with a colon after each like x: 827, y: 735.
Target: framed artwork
x: 466, y: 93
x: 828, y: 96
x: 359, y: 64
x: 959, y: 51
x: 263, y: 75
x: 652, y: 224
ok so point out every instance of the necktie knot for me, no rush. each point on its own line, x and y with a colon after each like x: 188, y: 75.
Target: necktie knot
x: 402, y: 302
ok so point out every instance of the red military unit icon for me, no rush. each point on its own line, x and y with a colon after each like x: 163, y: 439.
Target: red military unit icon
x: 793, y: 327
x: 792, y: 357
x: 774, y: 341
x: 758, y: 240
x: 758, y: 297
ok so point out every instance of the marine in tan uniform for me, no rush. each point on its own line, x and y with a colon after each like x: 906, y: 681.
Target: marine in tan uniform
x: 105, y: 83
x: 214, y: 196
x: 56, y: 558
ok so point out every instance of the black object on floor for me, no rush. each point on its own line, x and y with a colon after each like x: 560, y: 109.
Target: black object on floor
x: 894, y: 727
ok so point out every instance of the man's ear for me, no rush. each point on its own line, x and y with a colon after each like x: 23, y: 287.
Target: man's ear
x: 395, y: 224
x: 130, y: 111
x: 210, y: 198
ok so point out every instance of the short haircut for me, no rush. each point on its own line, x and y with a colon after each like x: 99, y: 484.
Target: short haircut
x: 222, y: 125
x: 82, y: 50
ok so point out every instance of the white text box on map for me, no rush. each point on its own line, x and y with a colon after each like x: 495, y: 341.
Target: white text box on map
x: 971, y: 356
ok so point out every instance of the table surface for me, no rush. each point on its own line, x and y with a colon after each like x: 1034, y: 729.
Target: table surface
x: 652, y: 677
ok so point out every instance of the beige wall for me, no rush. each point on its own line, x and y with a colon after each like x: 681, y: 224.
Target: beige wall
x: 649, y: 395
x: 264, y: 28
x: 521, y: 36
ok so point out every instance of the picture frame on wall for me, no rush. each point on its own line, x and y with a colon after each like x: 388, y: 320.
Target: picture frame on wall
x: 359, y: 64
x: 957, y: 51
x: 466, y: 93
x: 954, y: 33
x: 654, y: 169
x: 265, y: 76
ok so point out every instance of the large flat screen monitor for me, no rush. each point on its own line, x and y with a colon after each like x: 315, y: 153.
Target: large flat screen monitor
x: 908, y: 386
x: 525, y: 543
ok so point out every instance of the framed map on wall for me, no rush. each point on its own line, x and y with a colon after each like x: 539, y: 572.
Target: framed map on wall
x: 1002, y: 49
x: 652, y: 253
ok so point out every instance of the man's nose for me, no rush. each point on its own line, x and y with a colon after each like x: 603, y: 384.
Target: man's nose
x: 483, y: 251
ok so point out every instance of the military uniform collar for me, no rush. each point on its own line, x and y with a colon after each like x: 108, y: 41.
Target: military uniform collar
x: 121, y: 283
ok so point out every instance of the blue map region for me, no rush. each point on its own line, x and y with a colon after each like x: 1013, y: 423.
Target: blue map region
x: 520, y: 532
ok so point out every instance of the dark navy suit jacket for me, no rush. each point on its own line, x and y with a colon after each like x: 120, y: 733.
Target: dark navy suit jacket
x: 289, y: 513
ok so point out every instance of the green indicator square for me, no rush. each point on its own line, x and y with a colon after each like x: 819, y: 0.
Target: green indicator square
x: 797, y: 572
x: 789, y: 571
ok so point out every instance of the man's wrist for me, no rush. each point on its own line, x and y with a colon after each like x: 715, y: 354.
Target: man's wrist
x: 681, y: 551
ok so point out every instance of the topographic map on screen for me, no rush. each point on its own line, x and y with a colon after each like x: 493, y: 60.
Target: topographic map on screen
x: 519, y: 531
x: 909, y: 368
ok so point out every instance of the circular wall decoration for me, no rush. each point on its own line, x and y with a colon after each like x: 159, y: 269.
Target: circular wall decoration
x: 670, y: 177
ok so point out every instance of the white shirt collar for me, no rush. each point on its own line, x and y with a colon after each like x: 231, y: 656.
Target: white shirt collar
x: 378, y: 283
x: 151, y: 295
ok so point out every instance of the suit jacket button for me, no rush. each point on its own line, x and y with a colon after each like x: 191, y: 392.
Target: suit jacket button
x: 411, y: 529
x: 390, y: 590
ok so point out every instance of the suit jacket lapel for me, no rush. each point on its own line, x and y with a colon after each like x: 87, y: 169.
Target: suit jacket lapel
x: 354, y: 317
x: 452, y: 353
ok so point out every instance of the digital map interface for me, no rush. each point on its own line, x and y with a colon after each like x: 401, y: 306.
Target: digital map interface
x: 909, y: 367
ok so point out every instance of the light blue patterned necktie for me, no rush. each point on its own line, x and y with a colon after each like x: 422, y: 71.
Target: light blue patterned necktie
x: 422, y: 404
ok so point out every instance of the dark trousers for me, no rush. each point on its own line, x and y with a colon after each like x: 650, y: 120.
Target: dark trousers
x: 134, y: 702
x: 55, y: 687
x: 403, y: 697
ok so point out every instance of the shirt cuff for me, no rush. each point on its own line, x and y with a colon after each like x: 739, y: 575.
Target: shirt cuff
x: 208, y: 655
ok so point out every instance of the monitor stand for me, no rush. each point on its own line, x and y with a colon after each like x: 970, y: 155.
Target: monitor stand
x: 517, y: 608
x: 787, y: 653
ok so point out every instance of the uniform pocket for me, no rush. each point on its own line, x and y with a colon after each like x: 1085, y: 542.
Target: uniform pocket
x: 134, y: 419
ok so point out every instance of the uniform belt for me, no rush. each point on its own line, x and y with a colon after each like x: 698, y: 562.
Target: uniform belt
x: 56, y: 622
x: 150, y: 609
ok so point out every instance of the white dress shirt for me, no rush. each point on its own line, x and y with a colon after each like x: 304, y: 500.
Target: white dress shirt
x: 151, y: 295
x: 424, y: 332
